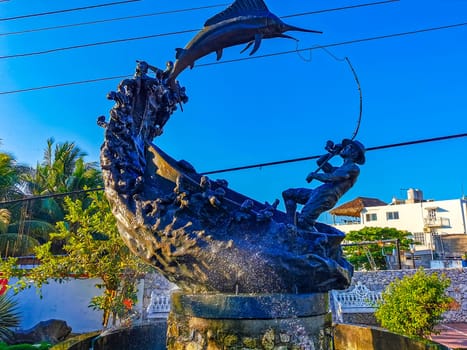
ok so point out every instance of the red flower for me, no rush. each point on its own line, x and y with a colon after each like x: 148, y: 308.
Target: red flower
x: 3, y: 284
x: 128, y: 303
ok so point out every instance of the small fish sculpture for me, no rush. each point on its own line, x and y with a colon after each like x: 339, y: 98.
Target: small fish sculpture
x: 245, y: 21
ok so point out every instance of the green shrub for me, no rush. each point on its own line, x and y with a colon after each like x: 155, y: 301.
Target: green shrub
x: 414, y: 305
x: 41, y: 346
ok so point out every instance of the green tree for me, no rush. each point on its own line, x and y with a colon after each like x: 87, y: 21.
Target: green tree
x: 93, y: 249
x: 413, y: 306
x: 62, y: 169
x: 11, y: 185
x: 9, y: 177
x: 357, y: 254
x: 5, y: 217
x: 11, y: 173
x: 9, y: 316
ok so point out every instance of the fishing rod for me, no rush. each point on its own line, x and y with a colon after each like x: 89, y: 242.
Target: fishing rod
x: 335, y: 149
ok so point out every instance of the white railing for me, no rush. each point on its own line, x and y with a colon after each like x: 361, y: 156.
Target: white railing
x: 159, y: 305
x: 356, y: 299
x: 437, y: 222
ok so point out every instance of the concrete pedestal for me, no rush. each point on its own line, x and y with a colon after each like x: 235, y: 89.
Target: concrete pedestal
x: 265, y: 321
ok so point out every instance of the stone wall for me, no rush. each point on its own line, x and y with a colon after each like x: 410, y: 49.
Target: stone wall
x: 352, y: 337
x: 374, y: 280
x: 361, y: 318
x: 378, y: 280
x: 451, y: 245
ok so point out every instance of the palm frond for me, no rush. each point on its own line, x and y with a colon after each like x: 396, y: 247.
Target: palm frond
x: 9, y: 316
x: 37, y: 229
x: 5, y: 217
x: 12, y: 244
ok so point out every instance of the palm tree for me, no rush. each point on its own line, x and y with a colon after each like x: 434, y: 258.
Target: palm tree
x: 9, y: 316
x: 9, y: 177
x: 12, y: 244
x: 62, y: 170
x: 5, y: 217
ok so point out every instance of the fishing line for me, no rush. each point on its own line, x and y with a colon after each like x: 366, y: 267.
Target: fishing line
x: 352, y: 69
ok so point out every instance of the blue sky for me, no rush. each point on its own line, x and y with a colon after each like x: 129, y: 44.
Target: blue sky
x: 260, y: 110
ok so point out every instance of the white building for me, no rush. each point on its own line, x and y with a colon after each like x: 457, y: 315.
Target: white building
x: 427, y: 220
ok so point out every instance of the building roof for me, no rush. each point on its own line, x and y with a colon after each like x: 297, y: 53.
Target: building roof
x: 354, y: 207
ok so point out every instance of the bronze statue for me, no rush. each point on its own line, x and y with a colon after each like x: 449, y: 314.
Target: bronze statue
x: 198, y: 232
x: 336, y: 182
x: 244, y: 22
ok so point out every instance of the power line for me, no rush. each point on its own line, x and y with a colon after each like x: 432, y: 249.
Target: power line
x: 51, y: 195
x: 185, y: 10
x: 401, y: 144
x: 280, y: 162
x: 89, y: 81
x: 108, y: 42
x: 36, y: 53
x: 114, y: 19
x: 66, y: 10
x: 339, y: 8
x: 349, y: 42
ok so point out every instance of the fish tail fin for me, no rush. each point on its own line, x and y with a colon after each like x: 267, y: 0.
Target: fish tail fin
x: 247, y: 46
x: 257, y: 42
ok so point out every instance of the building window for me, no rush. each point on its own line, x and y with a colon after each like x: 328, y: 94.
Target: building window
x: 419, y: 237
x: 432, y: 214
x: 392, y: 215
x: 371, y: 217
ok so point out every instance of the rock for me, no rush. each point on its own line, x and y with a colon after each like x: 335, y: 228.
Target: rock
x: 51, y: 331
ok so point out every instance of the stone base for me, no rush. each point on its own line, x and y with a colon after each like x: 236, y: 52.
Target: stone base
x: 267, y: 321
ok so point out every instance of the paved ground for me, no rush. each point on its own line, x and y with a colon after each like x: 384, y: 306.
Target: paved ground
x: 453, y: 335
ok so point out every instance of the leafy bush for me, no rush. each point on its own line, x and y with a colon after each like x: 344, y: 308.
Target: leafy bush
x: 41, y: 346
x: 357, y: 255
x: 414, y: 305
x: 93, y: 248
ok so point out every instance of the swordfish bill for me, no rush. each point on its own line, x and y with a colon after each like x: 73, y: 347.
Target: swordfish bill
x: 243, y: 22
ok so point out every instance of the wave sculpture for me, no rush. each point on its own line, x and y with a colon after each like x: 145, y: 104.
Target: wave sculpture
x: 196, y: 231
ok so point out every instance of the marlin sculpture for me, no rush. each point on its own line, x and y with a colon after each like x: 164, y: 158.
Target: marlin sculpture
x: 245, y: 21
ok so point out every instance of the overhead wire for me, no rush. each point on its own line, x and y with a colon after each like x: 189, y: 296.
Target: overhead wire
x: 258, y: 165
x: 339, y: 8
x: 187, y: 10
x: 369, y: 149
x: 115, y: 19
x: 114, y: 41
x: 342, y: 43
x: 97, y: 44
x: 66, y: 10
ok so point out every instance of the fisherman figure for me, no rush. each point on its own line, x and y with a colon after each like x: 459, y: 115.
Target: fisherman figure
x: 336, y: 182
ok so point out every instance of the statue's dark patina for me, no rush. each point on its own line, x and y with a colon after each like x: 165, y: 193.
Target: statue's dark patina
x: 243, y: 22
x: 198, y: 232
x: 336, y: 182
